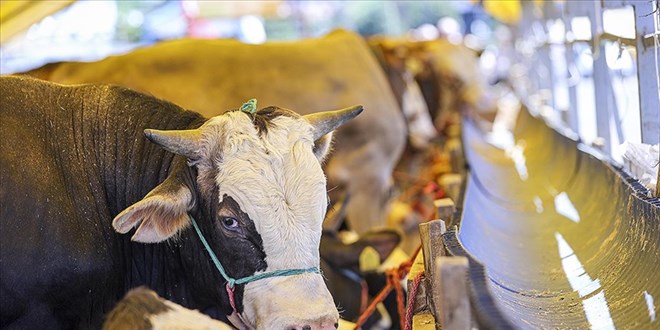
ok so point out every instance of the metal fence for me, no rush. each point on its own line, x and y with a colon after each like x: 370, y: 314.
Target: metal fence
x: 594, y: 67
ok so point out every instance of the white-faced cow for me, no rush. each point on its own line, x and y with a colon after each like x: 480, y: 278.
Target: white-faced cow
x: 335, y: 71
x: 246, y: 187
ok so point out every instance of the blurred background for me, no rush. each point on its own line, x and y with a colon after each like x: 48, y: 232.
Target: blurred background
x: 35, y: 32
x: 551, y: 40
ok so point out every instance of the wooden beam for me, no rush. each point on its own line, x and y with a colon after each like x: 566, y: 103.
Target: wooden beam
x: 444, y: 209
x: 432, y: 248
x: 452, y: 185
x: 450, y: 293
x: 419, y: 301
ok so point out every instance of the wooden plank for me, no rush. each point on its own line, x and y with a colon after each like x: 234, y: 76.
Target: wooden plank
x: 455, y: 149
x: 444, y: 209
x: 452, y: 185
x: 432, y: 248
x: 450, y: 293
x: 419, y: 302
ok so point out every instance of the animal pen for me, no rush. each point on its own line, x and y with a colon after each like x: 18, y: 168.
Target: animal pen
x: 550, y: 211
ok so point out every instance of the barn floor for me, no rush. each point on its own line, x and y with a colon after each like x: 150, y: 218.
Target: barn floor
x: 567, y: 241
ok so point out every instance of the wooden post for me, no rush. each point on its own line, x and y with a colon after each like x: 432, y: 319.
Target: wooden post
x: 452, y: 304
x: 452, y: 185
x: 444, y: 209
x: 432, y: 248
x: 419, y: 302
x: 455, y: 150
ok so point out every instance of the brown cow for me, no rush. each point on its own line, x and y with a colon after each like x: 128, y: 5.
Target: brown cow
x: 448, y: 75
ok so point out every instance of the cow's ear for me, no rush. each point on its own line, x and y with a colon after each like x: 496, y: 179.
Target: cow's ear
x: 162, y: 213
x: 322, y: 146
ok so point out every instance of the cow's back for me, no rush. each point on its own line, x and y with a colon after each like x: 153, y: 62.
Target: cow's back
x: 338, y: 70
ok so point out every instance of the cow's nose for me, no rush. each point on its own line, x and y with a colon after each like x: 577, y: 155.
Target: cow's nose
x: 322, y: 326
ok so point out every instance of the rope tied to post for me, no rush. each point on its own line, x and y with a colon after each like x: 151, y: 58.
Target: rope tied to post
x: 394, y: 277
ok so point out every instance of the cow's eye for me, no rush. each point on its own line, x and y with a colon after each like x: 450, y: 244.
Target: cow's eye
x: 229, y: 223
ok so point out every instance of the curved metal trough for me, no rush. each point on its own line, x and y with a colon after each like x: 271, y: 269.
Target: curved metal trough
x: 568, y: 240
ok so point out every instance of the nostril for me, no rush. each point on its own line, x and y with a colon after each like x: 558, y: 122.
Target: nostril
x: 336, y: 325
x: 307, y: 327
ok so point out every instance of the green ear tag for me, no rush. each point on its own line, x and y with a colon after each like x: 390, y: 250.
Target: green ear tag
x: 249, y: 106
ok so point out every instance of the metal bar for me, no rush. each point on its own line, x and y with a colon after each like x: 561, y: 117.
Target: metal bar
x: 616, y: 115
x: 571, y: 81
x: 601, y: 78
x: 647, y: 73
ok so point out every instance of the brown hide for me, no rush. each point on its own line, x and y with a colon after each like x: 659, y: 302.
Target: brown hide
x: 335, y: 71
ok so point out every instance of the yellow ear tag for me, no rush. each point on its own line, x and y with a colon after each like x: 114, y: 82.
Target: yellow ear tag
x: 369, y: 259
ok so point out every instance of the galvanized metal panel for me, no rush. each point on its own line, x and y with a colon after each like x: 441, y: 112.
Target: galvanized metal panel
x: 647, y: 73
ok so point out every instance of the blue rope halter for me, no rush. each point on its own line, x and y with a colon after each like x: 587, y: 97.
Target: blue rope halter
x: 231, y: 282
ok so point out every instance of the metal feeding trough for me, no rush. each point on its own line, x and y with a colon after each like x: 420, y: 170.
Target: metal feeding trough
x: 568, y: 240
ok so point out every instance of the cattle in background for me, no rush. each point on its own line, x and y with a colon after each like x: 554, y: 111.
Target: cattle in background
x: 334, y: 71
x: 448, y: 75
x: 407, y: 92
x: 73, y: 158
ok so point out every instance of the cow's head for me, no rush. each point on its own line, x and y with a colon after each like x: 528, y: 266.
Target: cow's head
x: 254, y: 181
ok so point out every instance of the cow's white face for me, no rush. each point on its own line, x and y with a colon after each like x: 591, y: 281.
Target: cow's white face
x: 260, y: 182
x: 277, y: 181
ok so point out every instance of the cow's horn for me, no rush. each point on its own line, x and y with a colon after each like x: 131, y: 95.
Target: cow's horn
x: 327, y: 121
x: 180, y: 142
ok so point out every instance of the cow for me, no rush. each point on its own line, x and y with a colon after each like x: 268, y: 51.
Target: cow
x: 224, y: 214
x: 448, y: 75
x: 335, y: 70
x: 143, y: 309
x: 406, y: 90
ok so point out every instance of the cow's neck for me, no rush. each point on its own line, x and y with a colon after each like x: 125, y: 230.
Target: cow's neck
x: 130, y: 166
